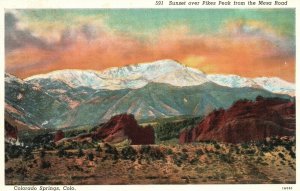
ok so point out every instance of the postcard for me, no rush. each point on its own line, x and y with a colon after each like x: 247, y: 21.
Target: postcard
x: 149, y: 95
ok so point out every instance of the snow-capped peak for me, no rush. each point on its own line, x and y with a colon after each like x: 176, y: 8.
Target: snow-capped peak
x: 272, y: 84
x: 132, y: 76
x: 72, y: 77
x: 276, y: 85
x: 10, y: 78
x: 63, y: 74
x: 147, y: 70
x: 233, y: 81
x: 162, y: 71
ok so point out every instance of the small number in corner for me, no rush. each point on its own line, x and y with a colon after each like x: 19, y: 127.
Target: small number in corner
x: 287, y: 188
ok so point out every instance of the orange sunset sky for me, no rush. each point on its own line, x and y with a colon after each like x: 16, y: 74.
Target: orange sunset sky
x: 249, y: 43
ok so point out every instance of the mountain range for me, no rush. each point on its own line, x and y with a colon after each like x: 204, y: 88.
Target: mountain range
x: 163, y: 71
x: 160, y: 89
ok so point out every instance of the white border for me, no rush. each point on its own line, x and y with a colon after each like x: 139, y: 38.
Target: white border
x: 135, y: 4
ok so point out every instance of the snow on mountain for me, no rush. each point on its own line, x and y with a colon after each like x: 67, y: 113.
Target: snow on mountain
x: 133, y: 76
x: 11, y: 79
x: 163, y: 71
x: 232, y: 81
x: 76, y: 78
x: 144, y: 70
x: 272, y: 84
x: 276, y: 85
x: 152, y: 71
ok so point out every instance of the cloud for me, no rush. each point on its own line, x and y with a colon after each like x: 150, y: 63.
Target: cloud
x: 243, y: 47
x: 15, y: 38
x: 48, y: 35
x: 246, y: 30
x: 89, y: 31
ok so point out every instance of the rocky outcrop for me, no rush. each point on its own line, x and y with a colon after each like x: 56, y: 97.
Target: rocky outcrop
x: 245, y: 121
x: 59, y: 135
x: 11, y: 132
x: 124, y: 126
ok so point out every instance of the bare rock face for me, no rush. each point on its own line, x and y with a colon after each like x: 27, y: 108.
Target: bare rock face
x: 59, y: 135
x: 245, y: 121
x: 124, y: 126
x: 11, y: 132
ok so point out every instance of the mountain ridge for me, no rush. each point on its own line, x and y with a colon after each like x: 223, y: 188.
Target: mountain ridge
x: 162, y: 71
x: 53, y: 103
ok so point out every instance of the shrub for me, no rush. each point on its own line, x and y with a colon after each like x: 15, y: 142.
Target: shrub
x: 250, y: 151
x: 288, y: 146
x: 13, y: 151
x: 177, y: 160
x: 42, y: 153
x: 9, y: 170
x: 87, y: 145
x: 169, y: 152
x: 27, y: 154
x: 61, y: 152
x: 199, y: 152
x: 6, y: 158
x: 145, y: 149
x: 292, y: 154
x: 267, y: 148
x: 281, y: 156
x: 226, y: 158
x: 90, y: 156
x: 156, y: 154
x: 261, y: 154
x: 153, y: 153
x: 245, y: 146
x: 98, y: 149
x: 43, y: 139
x: 45, y: 164
x: 50, y: 146
x: 115, y: 156
x: 217, y: 146
x: 71, y: 145
x: 183, y: 156
x: 194, y: 161
x: 128, y: 153
x: 109, y: 149
x: 80, y: 152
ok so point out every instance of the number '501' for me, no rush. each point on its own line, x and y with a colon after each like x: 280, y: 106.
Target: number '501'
x: 159, y: 2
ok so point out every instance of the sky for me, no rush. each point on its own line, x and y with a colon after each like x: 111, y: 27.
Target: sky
x: 245, y: 42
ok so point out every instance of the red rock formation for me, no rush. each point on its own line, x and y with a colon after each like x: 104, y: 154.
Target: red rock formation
x: 245, y: 121
x: 11, y: 132
x: 59, y: 135
x: 124, y: 126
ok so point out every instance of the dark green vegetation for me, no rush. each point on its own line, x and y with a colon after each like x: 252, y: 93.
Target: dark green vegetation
x: 166, y: 130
